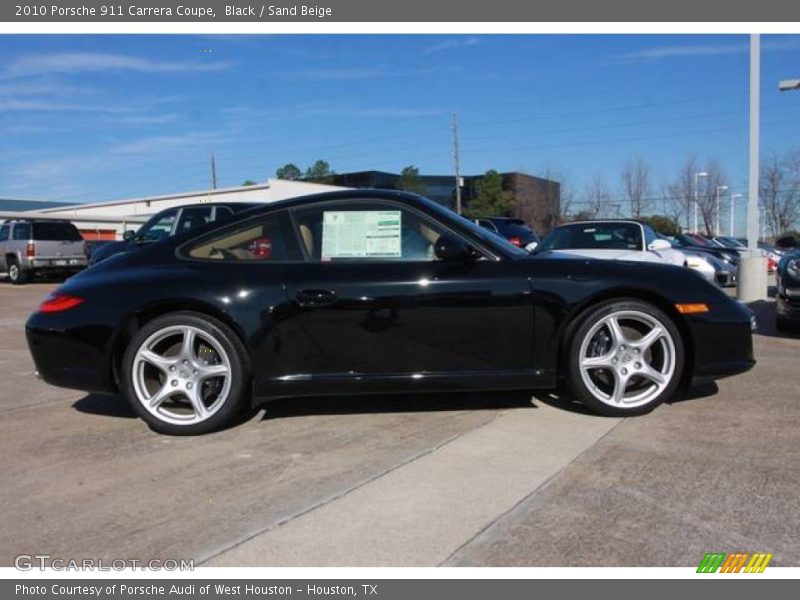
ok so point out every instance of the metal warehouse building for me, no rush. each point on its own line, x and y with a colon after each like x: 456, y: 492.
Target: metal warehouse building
x: 108, y: 220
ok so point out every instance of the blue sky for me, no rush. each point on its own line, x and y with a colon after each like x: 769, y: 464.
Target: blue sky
x: 87, y: 118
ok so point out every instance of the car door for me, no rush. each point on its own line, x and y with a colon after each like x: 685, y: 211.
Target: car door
x: 375, y: 301
x: 4, y: 231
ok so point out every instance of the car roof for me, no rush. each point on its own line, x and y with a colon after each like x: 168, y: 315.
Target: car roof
x: 602, y: 221
x: 358, y: 194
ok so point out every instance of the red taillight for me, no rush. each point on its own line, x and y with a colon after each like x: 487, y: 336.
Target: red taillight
x: 516, y: 241
x: 58, y: 302
x: 30, y: 250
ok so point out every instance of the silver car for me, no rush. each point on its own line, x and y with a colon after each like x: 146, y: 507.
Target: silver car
x: 31, y: 246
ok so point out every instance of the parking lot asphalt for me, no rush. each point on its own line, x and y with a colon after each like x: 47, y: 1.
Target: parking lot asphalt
x: 472, y: 479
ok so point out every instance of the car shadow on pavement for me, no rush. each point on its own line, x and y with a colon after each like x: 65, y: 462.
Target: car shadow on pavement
x: 564, y: 400
x: 395, y: 403
x: 105, y: 406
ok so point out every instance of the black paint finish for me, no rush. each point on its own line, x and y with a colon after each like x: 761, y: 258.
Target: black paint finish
x: 315, y: 328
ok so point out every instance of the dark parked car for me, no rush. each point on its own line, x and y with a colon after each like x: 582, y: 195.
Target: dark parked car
x: 515, y: 231
x: 30, y: 247
x: 787, y: 301
x: 373, y: 291
x: 169, y: 222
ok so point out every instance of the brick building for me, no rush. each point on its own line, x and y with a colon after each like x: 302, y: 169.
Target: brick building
x: 536, y: 200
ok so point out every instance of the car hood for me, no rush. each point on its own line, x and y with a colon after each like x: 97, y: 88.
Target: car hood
x: 634, y: 255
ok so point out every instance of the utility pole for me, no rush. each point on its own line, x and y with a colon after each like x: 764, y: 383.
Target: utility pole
x: 213, y: 173
x: 753, y: 266
x: 456, y: 163
x: 733, y: 214
x: 720, y: 188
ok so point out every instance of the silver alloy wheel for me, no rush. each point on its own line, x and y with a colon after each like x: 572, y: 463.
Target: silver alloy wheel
x: 13, y: 272
x: 627, y: 359
x: 181, y: 375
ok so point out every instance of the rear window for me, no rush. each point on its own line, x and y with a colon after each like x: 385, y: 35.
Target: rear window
x: 56, y: 232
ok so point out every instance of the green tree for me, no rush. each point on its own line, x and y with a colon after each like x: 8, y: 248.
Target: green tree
x: 249, y: 182
x: 492, y: 200
x: 319, y: 172
x: 662, y: 224
x: 289, y: 171
x: 410, y: 181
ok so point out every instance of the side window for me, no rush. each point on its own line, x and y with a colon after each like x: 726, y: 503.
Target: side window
x: 159, y: 227
x: 222, y: 212
x: 366, y: 231
x: 22, y: 231
x: 265, y: 239
x: 193, y: 217
x: 4, y: 233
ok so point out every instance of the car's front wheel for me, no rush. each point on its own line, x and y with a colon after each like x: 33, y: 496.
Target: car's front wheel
x: 626, y: 357
x: 186, y: 374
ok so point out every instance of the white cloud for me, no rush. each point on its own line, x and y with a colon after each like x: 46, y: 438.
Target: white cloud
x: 89, y: 62
x: 697, y: 50
x: 460, y: 42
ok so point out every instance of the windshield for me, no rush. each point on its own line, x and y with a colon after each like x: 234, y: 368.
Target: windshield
x: 479, y: 232
x: 594, y: 236
x: 55, y: 231
x: 159, y: 227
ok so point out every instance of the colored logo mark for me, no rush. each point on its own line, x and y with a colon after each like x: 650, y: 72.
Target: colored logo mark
x: 736, y: 562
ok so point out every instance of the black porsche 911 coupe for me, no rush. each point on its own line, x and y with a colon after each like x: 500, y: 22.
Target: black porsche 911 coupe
x: 372, y: 291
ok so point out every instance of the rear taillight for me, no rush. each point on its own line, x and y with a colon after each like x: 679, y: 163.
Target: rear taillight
x: 57, y: 302
x: 516, y: 241
x: 30, y: 249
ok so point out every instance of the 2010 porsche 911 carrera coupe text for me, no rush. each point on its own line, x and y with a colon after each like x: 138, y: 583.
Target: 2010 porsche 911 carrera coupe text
x: 375, y: 292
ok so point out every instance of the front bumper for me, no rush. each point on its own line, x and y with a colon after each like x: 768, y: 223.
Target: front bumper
x: 722, y: 341
x: 788, y: 307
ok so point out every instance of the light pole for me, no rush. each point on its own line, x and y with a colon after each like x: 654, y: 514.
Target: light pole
x: 720, y: 188
x: 753, y: 266
x: 733, y: 202
x: 697, y: 176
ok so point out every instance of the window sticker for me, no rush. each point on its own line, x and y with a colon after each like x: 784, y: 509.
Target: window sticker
x: 361, y: 234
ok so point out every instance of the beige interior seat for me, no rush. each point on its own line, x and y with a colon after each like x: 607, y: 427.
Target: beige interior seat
x: 308, y: 239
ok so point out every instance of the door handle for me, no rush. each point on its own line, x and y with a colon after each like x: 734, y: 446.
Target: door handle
x: 315, y: 297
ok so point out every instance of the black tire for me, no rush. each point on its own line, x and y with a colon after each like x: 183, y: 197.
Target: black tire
x: 238, y: 395
x: 587, y: 321
x: 16, y: 274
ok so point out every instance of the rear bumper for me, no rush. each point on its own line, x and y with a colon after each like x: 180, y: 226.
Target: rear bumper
x: 68, y: 263
x: 74, y: 357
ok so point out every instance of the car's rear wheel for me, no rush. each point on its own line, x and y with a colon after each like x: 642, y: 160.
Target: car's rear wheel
x: 16, y: 274
x: 186, y: 374
x: 625, y: 358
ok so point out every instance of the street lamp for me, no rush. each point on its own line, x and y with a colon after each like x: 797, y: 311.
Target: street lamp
x: 697, y: 176
x: 733, y: 202
x: 787, y: 85
x: 720, y: 188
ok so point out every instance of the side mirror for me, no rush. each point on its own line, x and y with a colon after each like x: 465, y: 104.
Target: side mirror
x: 787, y: 241
x: 128, y: 235
x: 449, y: 247
x: 659, y: 245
